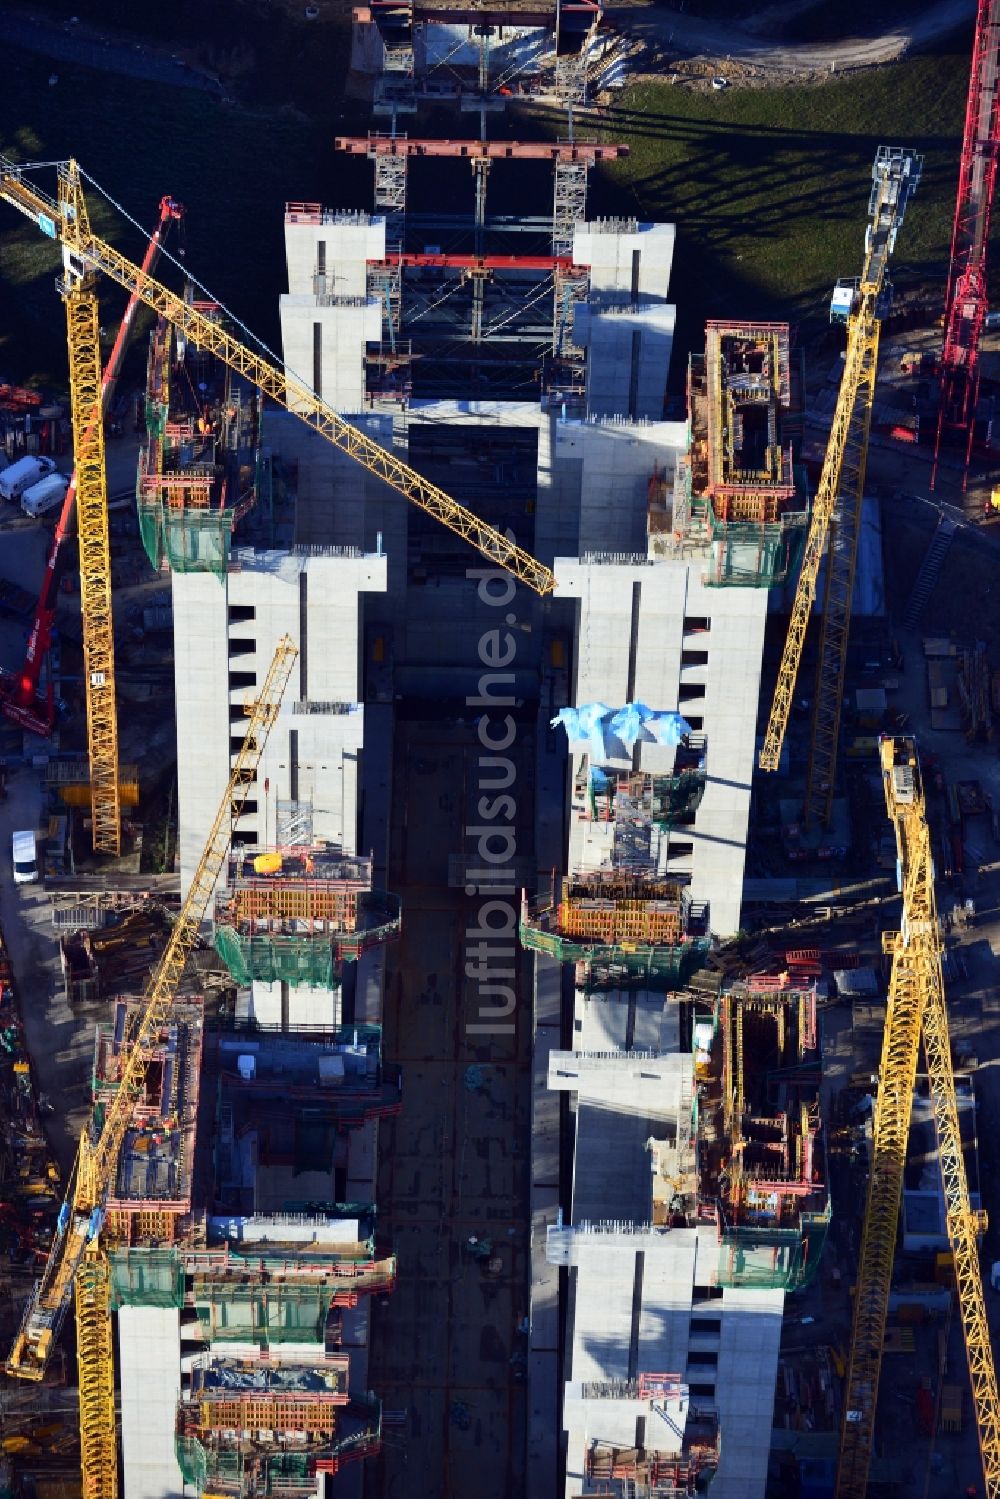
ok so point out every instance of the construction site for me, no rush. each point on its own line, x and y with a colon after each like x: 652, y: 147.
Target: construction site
x: 498, y: 959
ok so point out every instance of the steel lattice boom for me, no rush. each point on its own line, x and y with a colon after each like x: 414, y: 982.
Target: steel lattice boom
x: 88, y: 250
x: 79, y: 1225
x: 967, y: 297
x: 86, y: 404
x: 95, y: 1358
x: 912, y: 958
x: 916, y: 1007
x: 838, y: 496
x: 20, y: 697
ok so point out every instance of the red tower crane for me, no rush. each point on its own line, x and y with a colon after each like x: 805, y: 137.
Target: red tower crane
x: 21, y: 697
x: 966, y: 301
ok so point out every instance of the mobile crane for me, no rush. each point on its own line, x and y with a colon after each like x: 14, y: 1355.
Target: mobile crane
x: 967, y: 297
x: 65, y: 219
x: 836, y: 513
x: 916, y: 1007
x: 76, y: 1259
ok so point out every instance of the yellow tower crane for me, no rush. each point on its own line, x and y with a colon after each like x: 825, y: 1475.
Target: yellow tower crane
x: 916, y: 1006
x: 76, y: 1259
x: 836, y: 514
x: 87, y: 408
x: 65, y: 218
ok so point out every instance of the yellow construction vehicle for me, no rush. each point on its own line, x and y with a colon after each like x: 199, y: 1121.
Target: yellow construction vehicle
x: 65, y: 218
x: 916, y: 1007
x: 836, y: 513
x: 76, y: 1260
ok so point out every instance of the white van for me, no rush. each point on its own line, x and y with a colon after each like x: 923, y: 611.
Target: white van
x: 22, y: 474
x: 25, y: 858
x: 45, y: 495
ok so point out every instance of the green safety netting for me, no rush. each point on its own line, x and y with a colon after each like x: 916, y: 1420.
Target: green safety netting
x: 189, y: 541
x: 677, y: 797
x: 749, y: 555
x: 192, y: 1462
x: 146, y: 1277
x: 294, y: 1312
x: 276, y: 1470
x: 657, y: 964
x: 297, y: 961
x: 156, y: 418
x: 773, y: 1259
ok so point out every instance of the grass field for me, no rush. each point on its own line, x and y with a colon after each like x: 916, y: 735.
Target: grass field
x: 768, y: 188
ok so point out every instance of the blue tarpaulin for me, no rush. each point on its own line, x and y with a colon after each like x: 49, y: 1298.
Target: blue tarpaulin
x: 596, y: 722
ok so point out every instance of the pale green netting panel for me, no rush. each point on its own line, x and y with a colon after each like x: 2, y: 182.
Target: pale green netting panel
x: 299, y: 961
x: 190, y: 1456
x: 146, y: 1277
x: 276, y: 1470
x: 771, y: 1260
x: 292, y: 1313
x: 190, y: 541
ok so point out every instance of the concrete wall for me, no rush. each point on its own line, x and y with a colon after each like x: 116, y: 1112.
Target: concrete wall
x: 345, y: 333
x: 310, y: 756
x: 626, y: 265
x: 149, y: 1364
x: 351, y: 240
x: 334, y: 298
x: 744, y: 1389
x: 628, y: 355
x: 722, y: 692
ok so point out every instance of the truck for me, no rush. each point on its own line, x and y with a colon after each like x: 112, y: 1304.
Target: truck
x: 22, y: 474
x: 45, y: 495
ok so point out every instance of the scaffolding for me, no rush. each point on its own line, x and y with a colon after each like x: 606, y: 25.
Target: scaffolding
x: 614, y: 927
x: 569, y: 203
x: 683, y: 1467
x: 151, y: 1193
x: 232, y: 1466
x: 390, y: 189
x: 736, y: 494
x: 201, y: 469
x: 662, y: 802
x: 146, y: 1277
x: 295, y: 913
x: 761, y: 1162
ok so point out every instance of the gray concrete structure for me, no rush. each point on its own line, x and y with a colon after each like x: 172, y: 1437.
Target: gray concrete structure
x: 646, y: 1299
x: 633, y: 621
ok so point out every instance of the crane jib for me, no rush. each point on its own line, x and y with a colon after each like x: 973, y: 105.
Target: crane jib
x: 281, y: 386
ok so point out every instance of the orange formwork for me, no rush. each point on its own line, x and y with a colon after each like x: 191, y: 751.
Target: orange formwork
x: 313, y: 1414
x: 319, y: 900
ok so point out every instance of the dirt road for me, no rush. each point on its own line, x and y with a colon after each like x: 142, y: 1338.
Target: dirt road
x: 696, y: 36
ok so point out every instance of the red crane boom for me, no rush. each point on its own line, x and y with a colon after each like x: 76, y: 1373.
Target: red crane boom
x: 21, y: 698
x: 967, y: 300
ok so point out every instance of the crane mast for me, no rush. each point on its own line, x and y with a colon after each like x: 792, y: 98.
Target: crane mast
x: 912, y: 955
x: 916, y: 1008
x: 20, y: 698
x: 84, y: 249
x: 837, y: 505
x: 87, y: 408
x: 80, y: 1216
x: 967, y: 296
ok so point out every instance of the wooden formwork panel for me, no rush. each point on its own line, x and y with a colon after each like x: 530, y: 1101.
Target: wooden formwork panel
x: 652, y: 922
x: 141, y: 1226
x: 271, y: 1413
x: 297, y: 902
